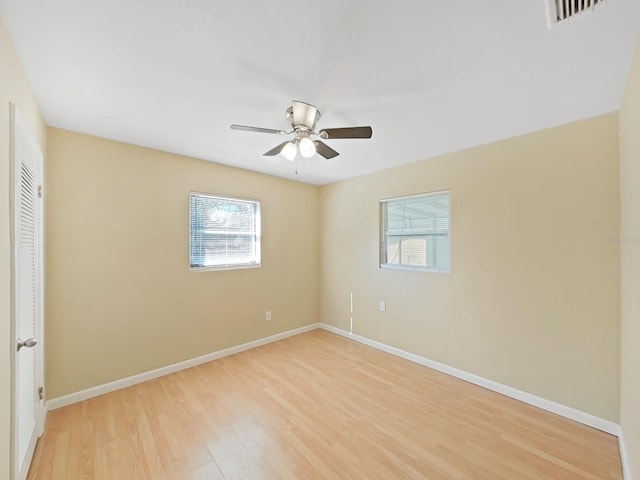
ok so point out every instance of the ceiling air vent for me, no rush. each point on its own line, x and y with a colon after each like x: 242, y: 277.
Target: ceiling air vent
x: 561, y: 10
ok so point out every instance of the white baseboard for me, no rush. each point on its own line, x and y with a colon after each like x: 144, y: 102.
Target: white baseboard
x: 548, y: 405
x: 543, y: 403
x: 65, y: 400
x: 624, y: 457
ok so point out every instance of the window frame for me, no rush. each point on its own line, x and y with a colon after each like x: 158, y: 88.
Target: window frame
x: 382, y: 233
x: 258, y: 235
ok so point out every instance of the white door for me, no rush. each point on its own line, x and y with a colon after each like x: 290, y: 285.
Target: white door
x: 28, y: 298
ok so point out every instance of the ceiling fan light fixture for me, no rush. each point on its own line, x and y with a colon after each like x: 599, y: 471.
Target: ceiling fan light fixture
x: 289, y: 151
x: 307, y: 148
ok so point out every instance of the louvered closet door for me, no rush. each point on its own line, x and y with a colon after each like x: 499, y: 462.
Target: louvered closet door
x: 28, y: 273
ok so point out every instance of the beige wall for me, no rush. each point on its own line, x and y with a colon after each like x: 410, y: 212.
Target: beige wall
x: 14, y: 88
x: 630, y: 264
x: 532, y: 300
x: 121, y: 299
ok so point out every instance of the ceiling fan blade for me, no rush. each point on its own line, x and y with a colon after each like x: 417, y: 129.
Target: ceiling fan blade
x: 275, y: 151
x: 346, y: 132
x: 245, y: 128
x: 325, y: 150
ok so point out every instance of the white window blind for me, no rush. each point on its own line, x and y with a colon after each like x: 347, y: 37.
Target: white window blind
x: 414, y: 232
x: 223, y: 232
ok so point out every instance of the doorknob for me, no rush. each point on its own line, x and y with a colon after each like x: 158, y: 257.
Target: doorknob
x: 29, y: 343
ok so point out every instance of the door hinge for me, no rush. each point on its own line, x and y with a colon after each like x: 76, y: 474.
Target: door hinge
x: 39, y: 191
x: 41, y: 393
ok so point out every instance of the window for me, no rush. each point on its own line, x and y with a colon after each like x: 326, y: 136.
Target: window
x: 414, y: 232
x: 224, y: 232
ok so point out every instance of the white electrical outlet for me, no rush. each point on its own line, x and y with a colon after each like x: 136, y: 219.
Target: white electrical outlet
x: 268, y: 315
x: 383, y: 306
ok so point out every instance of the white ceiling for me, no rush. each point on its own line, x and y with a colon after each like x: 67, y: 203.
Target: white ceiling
x: 430, y: 77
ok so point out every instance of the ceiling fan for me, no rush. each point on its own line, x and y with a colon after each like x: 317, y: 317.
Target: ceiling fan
x: 303, y: 118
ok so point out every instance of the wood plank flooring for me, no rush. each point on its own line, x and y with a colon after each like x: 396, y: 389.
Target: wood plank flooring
x: 316, y: 406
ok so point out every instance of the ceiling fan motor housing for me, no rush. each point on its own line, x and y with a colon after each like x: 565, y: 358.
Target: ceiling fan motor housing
x: 303, y: 116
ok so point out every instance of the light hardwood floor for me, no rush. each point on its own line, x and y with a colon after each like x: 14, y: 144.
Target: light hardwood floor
x: 316, y: 406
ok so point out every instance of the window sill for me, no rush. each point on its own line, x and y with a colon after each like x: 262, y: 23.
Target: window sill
x: 388, y: 266
x: 216, y: 268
